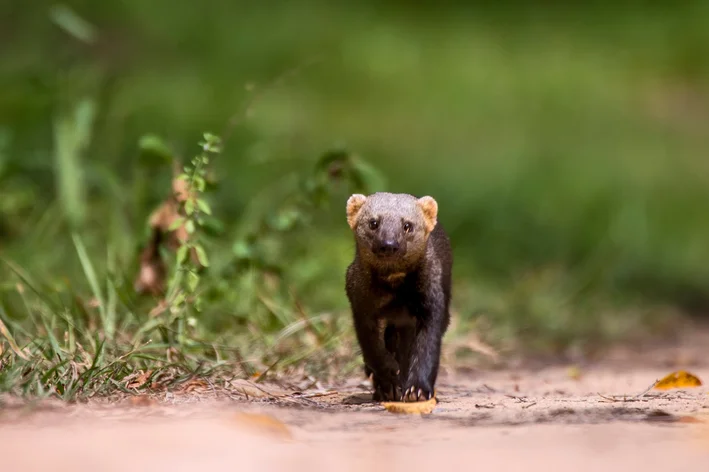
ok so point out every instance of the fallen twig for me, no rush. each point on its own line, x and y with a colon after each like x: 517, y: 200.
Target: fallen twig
x: 319, y: 394
x: 640, y: 395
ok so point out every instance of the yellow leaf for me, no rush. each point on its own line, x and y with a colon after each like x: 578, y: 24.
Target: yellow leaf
x: 263, y: 423
x: 679, y: 379
x: 411, y: 408
x: 690, y: 419
x: 574, y: 372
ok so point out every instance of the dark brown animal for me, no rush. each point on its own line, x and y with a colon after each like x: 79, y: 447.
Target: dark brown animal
x: 399, y: 289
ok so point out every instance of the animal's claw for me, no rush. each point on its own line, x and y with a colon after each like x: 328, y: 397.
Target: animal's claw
x: 415, y: 394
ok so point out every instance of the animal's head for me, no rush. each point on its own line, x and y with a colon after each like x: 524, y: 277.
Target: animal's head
x: 392, y: 227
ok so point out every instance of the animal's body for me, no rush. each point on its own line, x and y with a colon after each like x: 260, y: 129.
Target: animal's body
x: 399, y: 289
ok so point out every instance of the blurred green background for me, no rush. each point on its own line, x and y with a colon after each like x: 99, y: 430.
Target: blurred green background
x: 566, y: 146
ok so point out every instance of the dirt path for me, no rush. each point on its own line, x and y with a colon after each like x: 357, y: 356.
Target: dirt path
x: 521, y: 420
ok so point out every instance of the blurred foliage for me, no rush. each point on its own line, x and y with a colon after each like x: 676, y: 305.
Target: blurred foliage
x: 565, y: 146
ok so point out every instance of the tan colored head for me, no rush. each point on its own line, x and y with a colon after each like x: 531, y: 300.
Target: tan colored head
x: 392, y: 227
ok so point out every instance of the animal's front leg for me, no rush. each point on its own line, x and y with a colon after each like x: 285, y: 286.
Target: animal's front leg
x: 424, y: 361
x: 425, y: 353
x: 378, y: 360
x: 407, y: 335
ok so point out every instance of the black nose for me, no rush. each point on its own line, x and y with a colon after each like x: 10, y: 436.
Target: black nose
x: 387, y: 248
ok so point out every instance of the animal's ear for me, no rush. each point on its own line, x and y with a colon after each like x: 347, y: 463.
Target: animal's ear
x: 430, y: 212
x: 354, y: 204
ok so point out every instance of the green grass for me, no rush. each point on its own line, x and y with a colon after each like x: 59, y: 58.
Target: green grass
x: 565, y: 147
x: 239, y: 315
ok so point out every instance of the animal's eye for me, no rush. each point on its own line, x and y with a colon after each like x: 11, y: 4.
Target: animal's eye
x: 373, y: 224
x: 408, y: 227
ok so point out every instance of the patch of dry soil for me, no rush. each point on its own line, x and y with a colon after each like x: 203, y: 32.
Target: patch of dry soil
x: 505, y: 420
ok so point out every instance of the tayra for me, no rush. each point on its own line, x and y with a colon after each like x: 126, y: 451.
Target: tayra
x: 399, y: 289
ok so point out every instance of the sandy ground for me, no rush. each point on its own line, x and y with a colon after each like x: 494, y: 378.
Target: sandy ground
x: 599, y: 416
x: 507, y: 420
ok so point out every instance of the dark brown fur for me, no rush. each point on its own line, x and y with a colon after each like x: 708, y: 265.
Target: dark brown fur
x: 399, y: 288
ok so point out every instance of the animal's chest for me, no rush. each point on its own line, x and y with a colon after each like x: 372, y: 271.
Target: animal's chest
x: 398, y: 304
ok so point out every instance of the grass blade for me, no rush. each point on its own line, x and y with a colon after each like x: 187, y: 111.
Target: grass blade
x: 90, y: 274
x: 72, y: 133
x: 11, y: 340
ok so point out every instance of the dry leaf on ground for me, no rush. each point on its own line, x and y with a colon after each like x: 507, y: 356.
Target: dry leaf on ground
x: 263, y: 423
x: 193, y: 385
x: 138, y: 379
x: 141, y: 400
x: 679, y: 379
x: 411, y: 408
x: 690, y: 419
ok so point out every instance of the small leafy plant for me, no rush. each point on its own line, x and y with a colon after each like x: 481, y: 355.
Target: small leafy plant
x: 182, y: 300
x: 193, y: 206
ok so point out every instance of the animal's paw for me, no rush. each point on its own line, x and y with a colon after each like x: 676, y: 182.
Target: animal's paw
x: 417, y: 392
x: 386, y: 383
x: 367, y: 371
x: 386, y: 391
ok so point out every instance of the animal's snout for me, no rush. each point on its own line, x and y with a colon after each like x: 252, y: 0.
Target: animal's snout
x: 387, y: 247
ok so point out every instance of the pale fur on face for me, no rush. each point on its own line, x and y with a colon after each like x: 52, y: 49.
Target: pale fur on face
x: 392, y: 211
x: 392, y: 203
